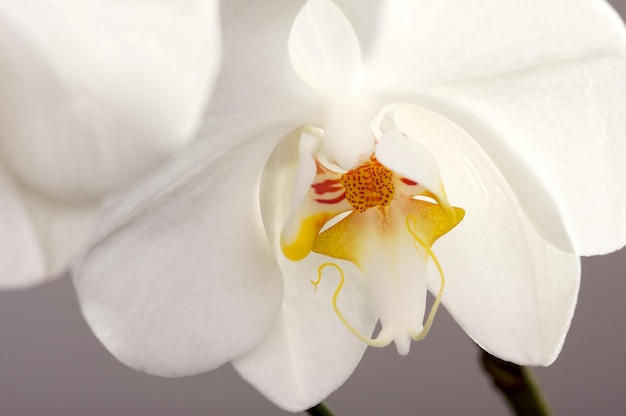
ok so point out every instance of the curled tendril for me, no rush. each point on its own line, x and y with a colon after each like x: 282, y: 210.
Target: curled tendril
x: 385, y: 339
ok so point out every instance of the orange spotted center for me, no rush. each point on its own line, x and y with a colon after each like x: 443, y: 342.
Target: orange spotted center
x: 369, y: 185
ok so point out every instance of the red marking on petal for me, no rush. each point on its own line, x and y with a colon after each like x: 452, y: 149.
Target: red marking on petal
x: 408, y: 181
x: 333, y: 200
x: 327, y: 186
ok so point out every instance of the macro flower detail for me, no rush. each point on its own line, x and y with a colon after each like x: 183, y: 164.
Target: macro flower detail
x: 352, y: 158
x: 383, y: 221
x: 93, y: 96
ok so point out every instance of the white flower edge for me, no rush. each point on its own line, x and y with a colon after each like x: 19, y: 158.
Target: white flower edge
x: 186, y: 282
x: 93, y: 96
x: 538, y: 283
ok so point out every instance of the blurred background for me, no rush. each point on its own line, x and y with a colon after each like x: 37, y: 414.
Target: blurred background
x: 51, y: 364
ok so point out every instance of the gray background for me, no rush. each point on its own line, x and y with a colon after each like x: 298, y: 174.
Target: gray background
x: 50, y: 364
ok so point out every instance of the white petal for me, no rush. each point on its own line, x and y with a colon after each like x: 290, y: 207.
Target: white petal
x: 21, y: 255
x: 317, y: 196
x: 62, y: 229
x: 306, y: 169
x: 257, y: 87
x: 364, y: 20
x: 512, y: 292
x: 182, y: 279
x: 411, y: 160
x: 324, y: 49
x: 557, y: 133
x: 308, y: 353
x: 40, y: 236
x: 94, y: 94
x: 420, y: 43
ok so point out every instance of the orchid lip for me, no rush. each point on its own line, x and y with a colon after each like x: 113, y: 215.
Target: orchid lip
x: 391, y: 221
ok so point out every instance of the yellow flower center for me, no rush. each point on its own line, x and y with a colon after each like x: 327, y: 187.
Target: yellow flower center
x: 369, y: 185
x: 390, y: 244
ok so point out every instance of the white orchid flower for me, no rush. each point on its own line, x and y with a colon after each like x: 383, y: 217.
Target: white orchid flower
x: 512, y: 112
x: 93, y: 95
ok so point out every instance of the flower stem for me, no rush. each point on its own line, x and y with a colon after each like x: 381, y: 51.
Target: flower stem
x: 321, y: 409
x: 517, y: 384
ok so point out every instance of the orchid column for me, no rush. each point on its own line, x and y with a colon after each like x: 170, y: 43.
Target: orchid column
x: 411, y: 119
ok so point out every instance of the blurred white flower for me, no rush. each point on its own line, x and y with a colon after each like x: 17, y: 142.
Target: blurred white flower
x: 93, y: 95
x: 517, y: 108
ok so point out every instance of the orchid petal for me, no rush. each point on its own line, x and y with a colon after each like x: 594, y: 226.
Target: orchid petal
x: 409, y: 159
x: 512, y: 292
x: 308, y: 353
x: 40, y: 236
x: 62, y: 230
x: 318, y: 196
x: 323, y: 48
x: 536, y: 125
x: 21, y: 254
x: 307, y: 168
x: 184, y: 280
x: 420, y: 43
x: 95, y: 94
x: 536, y: 66
x: 364, y: 20
x: 258, y: 89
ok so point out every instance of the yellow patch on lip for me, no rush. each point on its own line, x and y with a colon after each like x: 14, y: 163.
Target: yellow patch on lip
x: 344, y: 240
x: 302, y: 244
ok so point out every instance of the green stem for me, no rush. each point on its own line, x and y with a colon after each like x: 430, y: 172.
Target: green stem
x: 321, y: 409
x: 517, y: 384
